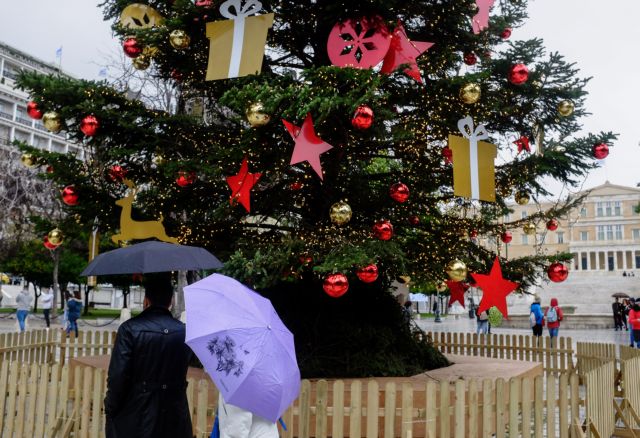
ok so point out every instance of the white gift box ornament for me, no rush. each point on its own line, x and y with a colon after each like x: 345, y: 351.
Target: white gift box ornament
x: 473, y: 162
x: 236, y: 45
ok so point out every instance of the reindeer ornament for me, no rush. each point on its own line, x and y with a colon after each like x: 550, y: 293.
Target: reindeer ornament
x: 131, y: 229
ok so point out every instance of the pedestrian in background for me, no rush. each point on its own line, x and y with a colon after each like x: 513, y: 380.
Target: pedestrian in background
x: 483, y: 322
x: 634, y: 321
x: 23, y: 303
x: 46, y: 303
x: 553, y: 315
x: 536, y: 317
x: 74, y: 307
x: 616, y: 308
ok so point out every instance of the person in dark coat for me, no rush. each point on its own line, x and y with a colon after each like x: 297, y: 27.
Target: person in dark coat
x: 147, y: 379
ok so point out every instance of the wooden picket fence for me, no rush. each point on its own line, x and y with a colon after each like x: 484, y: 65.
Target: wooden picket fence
x: 53, y: 346
x: 46, y: 397
x: 555, y: 359
x: 61, y: 401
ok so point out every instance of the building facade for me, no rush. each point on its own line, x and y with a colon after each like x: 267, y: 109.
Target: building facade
x: 603, y: 233
x: 15, y: 124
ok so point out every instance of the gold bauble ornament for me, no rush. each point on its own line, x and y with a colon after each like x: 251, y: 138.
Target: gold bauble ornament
x: 28, y: 160
x: 522, y: 197
x: 142, y: 62
x: 529, y: 229
x: 55, y: 236
x: 179, y: 39
x: 256, y: 115
x: 470, y: 93
x: 140, y: 16
x: 565, y: 108
x: 457, y: 270
x: 158, y: 160
x: 51, y: 121
x: 340, y: 213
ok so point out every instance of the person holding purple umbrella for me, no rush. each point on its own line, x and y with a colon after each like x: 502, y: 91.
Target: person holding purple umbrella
x: 239, y: 423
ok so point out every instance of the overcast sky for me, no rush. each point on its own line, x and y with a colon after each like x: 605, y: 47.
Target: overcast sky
x: 602, y: 38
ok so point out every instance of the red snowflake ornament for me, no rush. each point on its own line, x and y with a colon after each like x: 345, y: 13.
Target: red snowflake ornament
x: 359, y: 43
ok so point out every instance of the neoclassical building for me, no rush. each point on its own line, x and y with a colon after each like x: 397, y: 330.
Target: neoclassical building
x: 603, y: 234
x: 15, y: 124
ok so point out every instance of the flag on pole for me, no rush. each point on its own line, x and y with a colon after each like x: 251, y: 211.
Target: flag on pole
x: 59, y: 52
x: 103, y: 72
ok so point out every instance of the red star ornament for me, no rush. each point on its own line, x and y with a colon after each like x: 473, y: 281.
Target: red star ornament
x: 495, y: 289
x: 523, y: 144
x: 308, y: 146
x: 241, y: 185
x: 457, y: 289
x: 402, y: 52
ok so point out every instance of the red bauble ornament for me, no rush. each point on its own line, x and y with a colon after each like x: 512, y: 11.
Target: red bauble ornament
x: 117, y: 173
x: 506, y: 237
x: 335, y: 285
x: 557, y: 272
x: 383, y: 230
x: 368, y: 274
x: 399, y: 192
x: 518, y: 74
x: 296, y: 186
x: 49, y: 169
x: 185, y: 179
x: 600, y: 151
x: 470, y: 58
x: 48, y: 244
x: 362, y: 118
x: 414, y: 220
x: 132, y: 48
x: 176, y: 75
x: 473, y: 234
x: 33, y: 111
x: 552, y: 225
x: 359, y: 43
x: 89, y: 125
x: 447, y: 153
x: 306, y: 260
x: 506, y: 33
x: 70, y: 195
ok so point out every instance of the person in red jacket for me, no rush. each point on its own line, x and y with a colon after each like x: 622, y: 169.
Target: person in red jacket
x: 552, y: 317
x: 634, y: 321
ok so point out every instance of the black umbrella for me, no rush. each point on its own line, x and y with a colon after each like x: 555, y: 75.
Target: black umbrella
x: 152, y: 256
x: 620, y: 295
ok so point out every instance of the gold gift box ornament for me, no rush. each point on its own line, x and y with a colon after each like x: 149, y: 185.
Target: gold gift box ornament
x: 236, y: 45
x: 473, y: 162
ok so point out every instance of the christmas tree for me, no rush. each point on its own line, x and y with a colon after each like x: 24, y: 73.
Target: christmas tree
x: 318, y: 164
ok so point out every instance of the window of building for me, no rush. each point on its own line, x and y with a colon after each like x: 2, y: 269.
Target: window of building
x: 583, y: 212
x: 600, y: 209
x: 636, y: 233
x: 507, y: 217
x: 560, y: 235
x: 584, y: 235
x: 609, y: 208
x: 617, y: 208
x: 524, y: 214
x: 525, y: 239
x: 618, y: 231
x: 606, y: 232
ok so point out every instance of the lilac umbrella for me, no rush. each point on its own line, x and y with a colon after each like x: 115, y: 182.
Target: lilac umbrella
x: 243, y: 345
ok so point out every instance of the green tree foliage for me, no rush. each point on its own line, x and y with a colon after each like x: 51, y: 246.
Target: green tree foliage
x: 287, y: 243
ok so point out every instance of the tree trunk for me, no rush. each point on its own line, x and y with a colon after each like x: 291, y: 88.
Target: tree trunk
x: 125, y: 294
x: 56, y: 287
x: 87, y: 289
x: 178, y: 305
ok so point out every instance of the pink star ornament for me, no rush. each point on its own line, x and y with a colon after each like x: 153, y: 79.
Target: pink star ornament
x: 404, y: 52
x: 308, y: 146
x: 480, y: 21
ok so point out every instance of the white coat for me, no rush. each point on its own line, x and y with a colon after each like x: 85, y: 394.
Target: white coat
x: 46, y: 299
x: 235, y: 422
